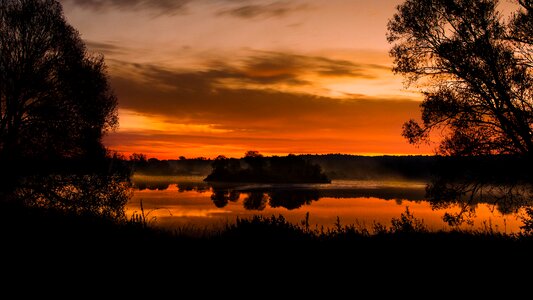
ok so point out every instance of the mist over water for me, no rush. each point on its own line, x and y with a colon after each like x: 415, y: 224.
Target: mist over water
x: 186, y: 201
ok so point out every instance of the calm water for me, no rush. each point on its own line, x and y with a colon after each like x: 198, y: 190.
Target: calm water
x: 175, y: 202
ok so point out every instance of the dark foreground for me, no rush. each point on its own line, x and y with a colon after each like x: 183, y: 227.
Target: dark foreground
x: 45, y: 245
x: 40, y: 230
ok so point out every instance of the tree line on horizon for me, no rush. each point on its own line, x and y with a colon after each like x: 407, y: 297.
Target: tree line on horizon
x: 254, y: 167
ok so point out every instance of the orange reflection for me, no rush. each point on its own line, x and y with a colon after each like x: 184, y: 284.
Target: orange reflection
x: 173, y: 209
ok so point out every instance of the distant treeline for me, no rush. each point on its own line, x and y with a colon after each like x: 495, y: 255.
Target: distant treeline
x: 343, y: 166
x: 486, y: 168
x: 184, y: 166
x: 256, y: 168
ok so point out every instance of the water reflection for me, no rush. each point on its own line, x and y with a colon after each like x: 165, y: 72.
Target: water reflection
x: 503, y: 183
x: 293, y: 199
x: 255, y: 201
x: 221, y: 197
x: 504, y: 197
x: 441, y: 200
x: 161, y: 183
x: 259, y: 199
x: 158, y: 186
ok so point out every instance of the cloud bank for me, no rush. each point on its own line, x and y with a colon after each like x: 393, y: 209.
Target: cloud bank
x: 244, y: 9
x: 159, y: 6
x: 250, y: 10
x: 253, y: 113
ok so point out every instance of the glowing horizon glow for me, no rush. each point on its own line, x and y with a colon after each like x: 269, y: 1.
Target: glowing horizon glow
x: 132, y: 121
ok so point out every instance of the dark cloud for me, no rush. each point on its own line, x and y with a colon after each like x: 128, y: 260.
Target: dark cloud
x: 298, y: 64
x: 241, y: 9
x: 157, y: 6
x: 326, y: 66
x: 198, y: 98
x: 266, y: 119
x: 344, y: 68
x: 270, y: 68
x: 273, y: 9
x: 262, y: 68
x: 107, y: 48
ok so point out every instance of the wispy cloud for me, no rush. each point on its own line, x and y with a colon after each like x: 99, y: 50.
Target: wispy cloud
x: 246, y: 9
x: 249, y: 10
x: 198, y: 97
x: 264, y: 70
x: 228, y: 120
x: 159, y: 6
x: 106, y: 48
x: 273, y: 62
x: 292, y: 70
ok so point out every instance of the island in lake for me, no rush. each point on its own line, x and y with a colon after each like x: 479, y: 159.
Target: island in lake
x: 254, y: 167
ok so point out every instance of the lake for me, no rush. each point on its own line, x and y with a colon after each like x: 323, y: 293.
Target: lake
x: 188, y: 202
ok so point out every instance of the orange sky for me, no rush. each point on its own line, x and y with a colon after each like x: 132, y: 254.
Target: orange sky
x: 209, y: 77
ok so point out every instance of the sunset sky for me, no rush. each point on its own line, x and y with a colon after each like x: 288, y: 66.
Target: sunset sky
x: 209, y: 77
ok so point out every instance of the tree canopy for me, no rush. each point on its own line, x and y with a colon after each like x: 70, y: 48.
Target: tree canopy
x: 55, y: 106
x: 55, y: 100
x: 254, y: 167
x: 474, y: 67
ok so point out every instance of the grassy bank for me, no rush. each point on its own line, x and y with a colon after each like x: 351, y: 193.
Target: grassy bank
x: 42, y: 227
x: 37, y: 243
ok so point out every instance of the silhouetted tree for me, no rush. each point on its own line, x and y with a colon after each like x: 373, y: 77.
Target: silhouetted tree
x: 255, y: 160
x: 522, y: 30
x: 55, y: 106
x: 55, y: 100
x: 253, y: 153
x: 138, y: 158
x: 476, y: 70
x: 224, y: 167
x: 138, y: 162
x: 289, y: 169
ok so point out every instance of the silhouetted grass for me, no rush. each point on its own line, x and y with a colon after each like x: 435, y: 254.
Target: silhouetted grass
x: 45, y: 235
x: 405, y: 229
x: 44, y: 245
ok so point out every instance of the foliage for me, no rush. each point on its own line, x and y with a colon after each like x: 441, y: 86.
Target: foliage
x: 55, y: 106
x: 55, y: 100
x: 264, y: 228
x: 528, y: 222
x: 407, y: 223
x: 183, y: 166
x: 335, y: 166
x: 475, y: 70
x: 256, y: 168
x: 464, y: 182
x: 80, y: 194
